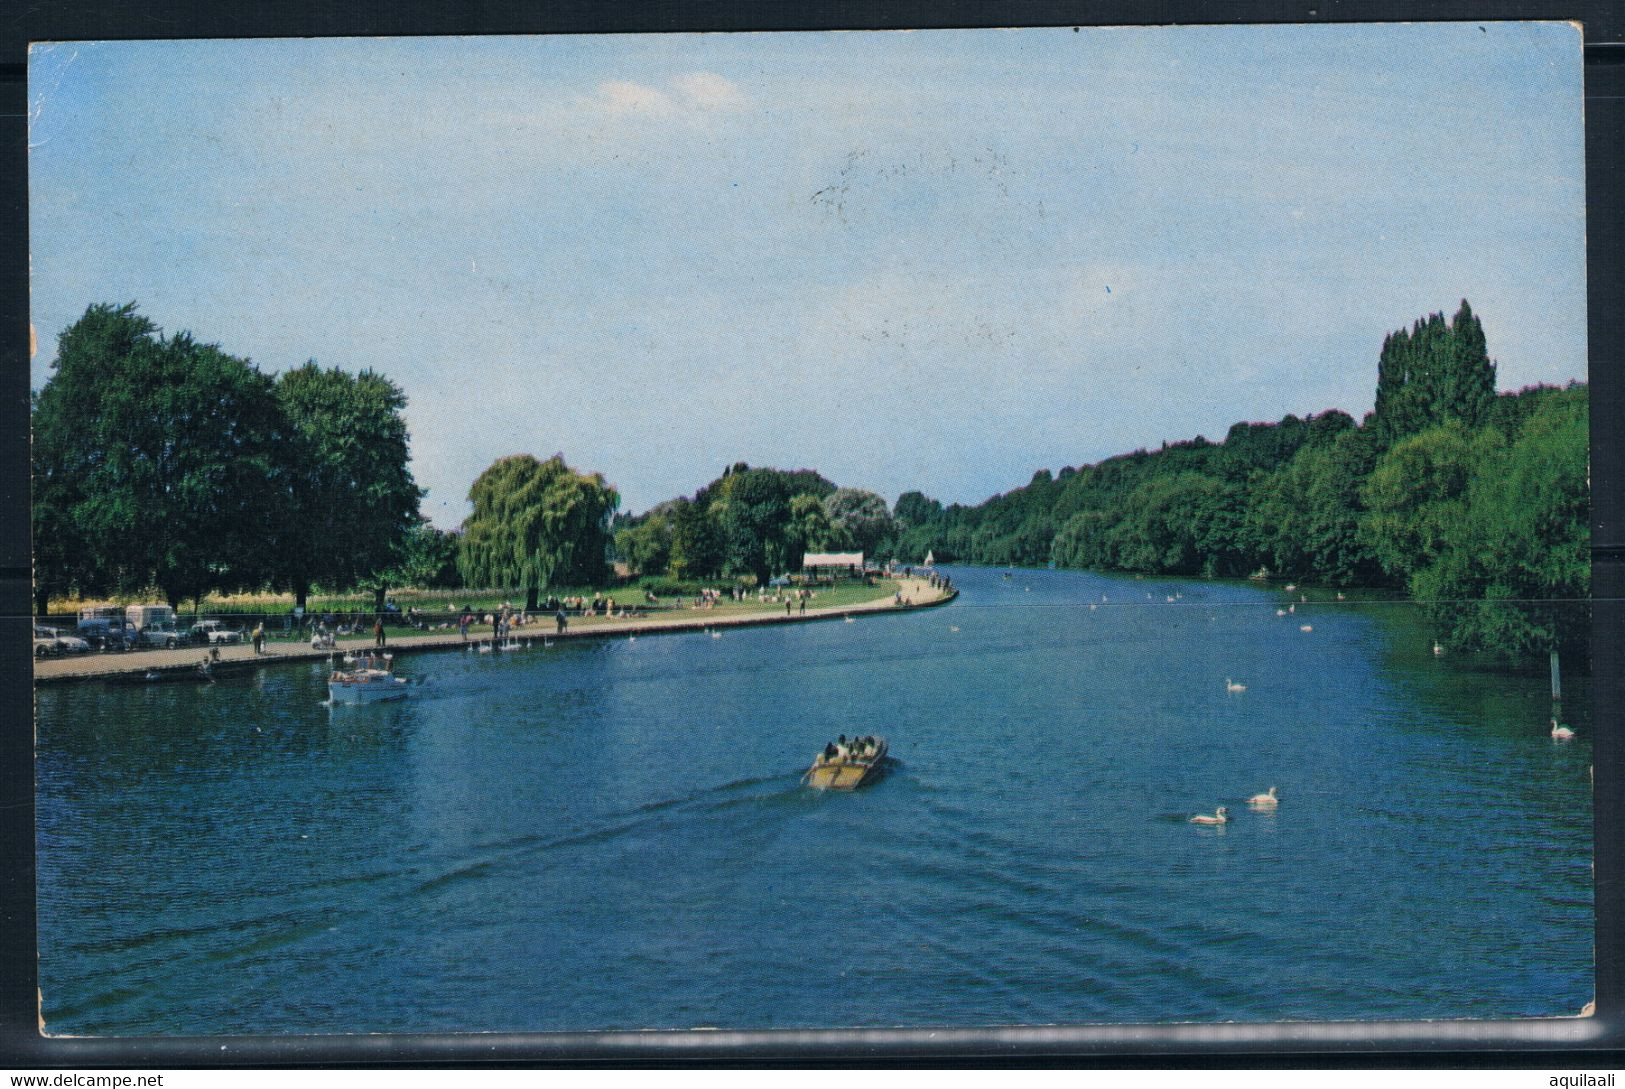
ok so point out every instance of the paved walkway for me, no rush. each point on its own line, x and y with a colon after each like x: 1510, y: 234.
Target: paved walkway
x: 917, y: 593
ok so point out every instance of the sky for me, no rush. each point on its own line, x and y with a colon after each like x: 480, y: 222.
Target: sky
x: 934, y: 261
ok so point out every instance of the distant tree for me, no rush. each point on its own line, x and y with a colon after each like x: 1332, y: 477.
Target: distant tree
x: 696, y: 542
x: 810, y: 530
x: 862, y: 515
x: 1517, y: 575
x: 428, y: 560
x: 1416, y: 495
x: 157, y: 459
x: 914, y: 509
x: 351, y: 501
x: 646, y: 547
x: 1432, y: 374
x: 536, y: 524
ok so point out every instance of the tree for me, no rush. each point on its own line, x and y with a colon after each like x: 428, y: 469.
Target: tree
x: 1416, y: 495
x: 157, y: 459
x: 914, y: 509
x: 1432, y: 374
x: 862, y: 515
x: 809, y: 529
x: 351, y: 501
x: 646, y: 547
x: 1517, y: 574
x: 536, y: 524
x: 696, y: 542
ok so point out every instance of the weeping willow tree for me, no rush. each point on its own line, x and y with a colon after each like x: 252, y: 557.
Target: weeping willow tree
x: 536, y: 524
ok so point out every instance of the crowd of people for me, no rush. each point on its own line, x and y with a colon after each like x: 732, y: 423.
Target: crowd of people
x: 841, y: 750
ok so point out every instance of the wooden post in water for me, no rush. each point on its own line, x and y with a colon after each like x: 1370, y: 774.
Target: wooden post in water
x: 1557, y: 681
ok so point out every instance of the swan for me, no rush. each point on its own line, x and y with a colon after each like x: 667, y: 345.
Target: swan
x: 1291, y: 586
x: 1264, y: 801
x: 716, y: 635
x: 1217, y: 818
x: 1561, y: 733
x: 952, y: 627
x: 1280, y: 612
x: 1232, y: 686
x: 1305, y: 627
x: 1437, y: 649
x: 849, y: 620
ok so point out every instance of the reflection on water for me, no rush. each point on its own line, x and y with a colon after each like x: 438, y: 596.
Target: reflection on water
x: 612, y: 835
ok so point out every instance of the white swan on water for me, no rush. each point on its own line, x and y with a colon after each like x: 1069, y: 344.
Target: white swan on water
x: 1218, y: 817
x: 1561, y: 733
x: 1232, y: 686
x: 1264, y: 801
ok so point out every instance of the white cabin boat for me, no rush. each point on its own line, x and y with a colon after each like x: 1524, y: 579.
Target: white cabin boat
x: 372, y: 679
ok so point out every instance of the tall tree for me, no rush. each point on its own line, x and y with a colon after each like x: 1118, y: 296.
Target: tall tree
x: 161, y: 455
x: 536, y: 524
x: 862, y: 515
x: 352, y: 503
x: 696, y: 542
x: 1432, y: 374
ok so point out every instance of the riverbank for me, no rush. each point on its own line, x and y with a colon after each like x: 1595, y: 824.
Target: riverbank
x: 916, y: 593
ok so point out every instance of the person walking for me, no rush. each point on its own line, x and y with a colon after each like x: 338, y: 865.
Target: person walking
x: 378, y: 633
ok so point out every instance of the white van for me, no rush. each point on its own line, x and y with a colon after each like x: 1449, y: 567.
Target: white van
x: 154, y: 626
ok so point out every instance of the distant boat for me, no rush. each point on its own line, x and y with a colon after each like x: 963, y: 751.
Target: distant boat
x: 848, y: 772
x: 372, y: 680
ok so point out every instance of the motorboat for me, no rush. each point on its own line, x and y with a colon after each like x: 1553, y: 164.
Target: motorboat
x: 370, y: 680
x: 862, y: 761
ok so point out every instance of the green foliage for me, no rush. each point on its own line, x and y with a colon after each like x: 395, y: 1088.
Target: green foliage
x: 536, y: 524
x: 1432, y: 374
x: 351, y: 501
x: 696, y: 542
x: 157, y: 460
x: 859, y: 515
x: 1473, y: 501
x: 646, y: 547
x: 1519, y: 568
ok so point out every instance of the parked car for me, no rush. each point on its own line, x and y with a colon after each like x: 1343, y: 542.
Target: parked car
x: 215, y: 633
x: 45, y: 643
x: 104, y: 626
x: 154, y: 626
x: 68, y: 644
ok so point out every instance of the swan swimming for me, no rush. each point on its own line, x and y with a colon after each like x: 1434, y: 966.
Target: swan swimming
x: 1305, y: 627
x: 1264, y: 801
x: 1232, y: 686
x: 1218, y: 817
x: 1561, y: 733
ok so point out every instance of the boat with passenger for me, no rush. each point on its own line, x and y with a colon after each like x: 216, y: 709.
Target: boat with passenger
x: 847, y: 765
x: 371, y: 679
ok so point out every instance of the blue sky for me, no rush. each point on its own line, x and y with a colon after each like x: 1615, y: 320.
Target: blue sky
x: 931, y: 260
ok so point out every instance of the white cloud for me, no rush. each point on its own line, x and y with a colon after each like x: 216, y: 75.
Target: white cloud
x: 624, y: 97
x: 708, y: 91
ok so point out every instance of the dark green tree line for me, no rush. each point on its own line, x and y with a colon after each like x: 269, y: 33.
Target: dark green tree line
x: 161, y: 461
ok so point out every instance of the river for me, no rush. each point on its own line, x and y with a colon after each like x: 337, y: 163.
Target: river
x: 611, y: 834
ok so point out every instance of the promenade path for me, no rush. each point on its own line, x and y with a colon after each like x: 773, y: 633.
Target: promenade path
x: 917, y: 593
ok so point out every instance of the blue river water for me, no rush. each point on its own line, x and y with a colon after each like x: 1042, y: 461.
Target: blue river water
x: 612, y: 835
